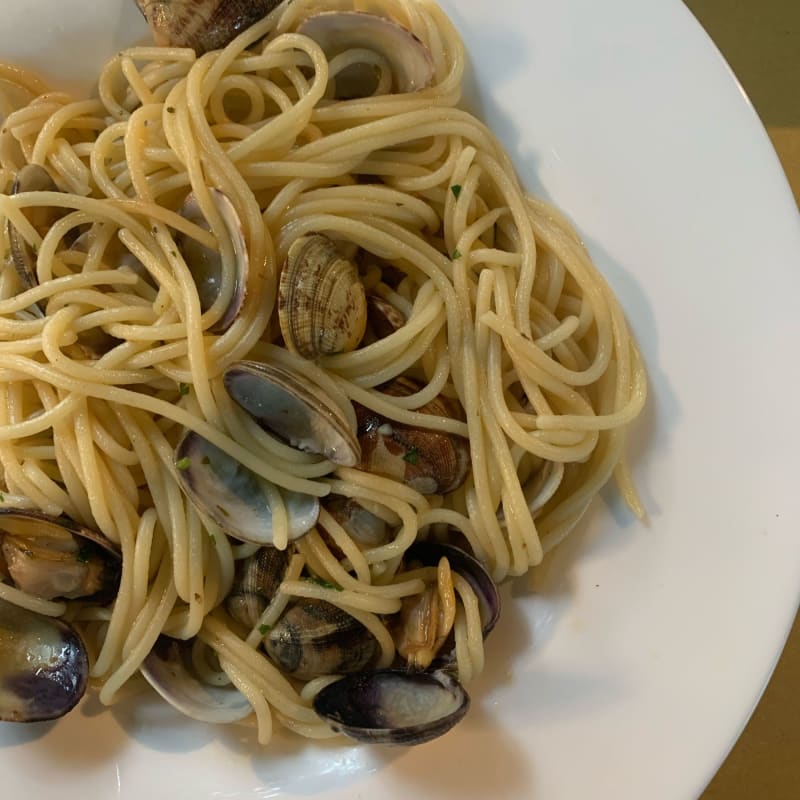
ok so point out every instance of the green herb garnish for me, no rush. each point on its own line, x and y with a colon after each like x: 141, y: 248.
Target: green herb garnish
x: 170, y: 109
x: 183, y: 388
x: 456, y: 255
x: 183, y: 464
x: 411, y: 456
x: 264, y: 629
x: 323, y: 583
x: 456, y: 190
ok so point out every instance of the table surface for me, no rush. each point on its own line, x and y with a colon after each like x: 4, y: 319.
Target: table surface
x: 760, y: 39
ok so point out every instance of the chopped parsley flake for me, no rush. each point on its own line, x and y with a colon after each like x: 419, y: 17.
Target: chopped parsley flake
x: 170, y: 109
x: 411, y: 456
x: 2, y: 498
x: 264, y: 629
x: 456, y: 255
x: 456, y: 190
x: 323, y: 583
x: 183, y: 388
x: 183, y: 464
x: 213, y: 538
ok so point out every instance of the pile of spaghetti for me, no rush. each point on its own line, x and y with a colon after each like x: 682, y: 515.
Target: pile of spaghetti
x: 111, y: 355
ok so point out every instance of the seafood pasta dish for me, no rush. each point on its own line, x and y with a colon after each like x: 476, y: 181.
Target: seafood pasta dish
x: 293, y: 374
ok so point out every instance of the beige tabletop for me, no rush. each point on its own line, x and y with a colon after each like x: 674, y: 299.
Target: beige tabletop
x: 761, y: 41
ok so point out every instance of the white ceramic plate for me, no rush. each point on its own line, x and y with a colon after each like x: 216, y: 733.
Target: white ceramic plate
x: 631, y: 670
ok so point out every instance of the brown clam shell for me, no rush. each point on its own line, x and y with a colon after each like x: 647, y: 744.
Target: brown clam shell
x: 201, y: 24
x: 322, y: 306
x: 429, y: 461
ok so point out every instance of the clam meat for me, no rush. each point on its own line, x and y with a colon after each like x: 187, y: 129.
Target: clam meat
x: 255, y: 583
x: 322, y: 306
x: 201, y: 24
x: 294, y: 409
x: 461, y: 562
x: 44, y: 667
x: 54, y: 557
x: 315, y: 638
x: 410, y: 60
x: 233, y: 496
x: 206, y: 265
x: 429, y: 461
x: 167, y: 669
x: 393, y: 706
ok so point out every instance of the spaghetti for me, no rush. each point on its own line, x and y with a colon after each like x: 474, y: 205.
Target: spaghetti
x: 505, y: 314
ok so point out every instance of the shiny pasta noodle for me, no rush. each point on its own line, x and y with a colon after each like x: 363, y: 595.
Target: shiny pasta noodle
x: 503, y: 313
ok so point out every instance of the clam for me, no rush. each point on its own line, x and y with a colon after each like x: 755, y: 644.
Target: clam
x: 294, y: 409
x: 233, y: 496
x: 168, y: 670
x: 44, y: 668
x: 368, y: 529
x: 429, y: 461
x: 201, y: 24
x: 54, y: 557
x: 322, y: 307
x: 337, y: 31
x: 31, y: 178
x: 393, y: 706
x: 315, y: 638
x: 384, y: 318
x: 206, y: 265
x: 255, y: 583
x: 468, y: 567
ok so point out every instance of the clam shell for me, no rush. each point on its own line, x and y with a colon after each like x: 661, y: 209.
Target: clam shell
x: 315, y: 638
x: 384, y: 318
x: 294, y: 409
x: 429, y: 461
x: 44, y: 668
x: 336, y: 31
x: 393, y: 706
x: 322, y: 307
x: 206, y: 265
x: 473, y: 571
x: 31, y: 178
x: 166, y: 671
x: 233, y: 496
x: 255, y: 584
x: 54, y: 557
x: 201, y: 24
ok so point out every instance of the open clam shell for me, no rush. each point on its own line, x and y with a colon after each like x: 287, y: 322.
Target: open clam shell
x: 430, y: 553
x: 294, y: 409
x: 206, y: 265
x: 54, y: 557
x: 233, y: 496
x: 427, y: 460
x: 166, y: 670
x: 201, y: 24
x: 393, y: 706
x: 44, y: 668
x: 337, y: 31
